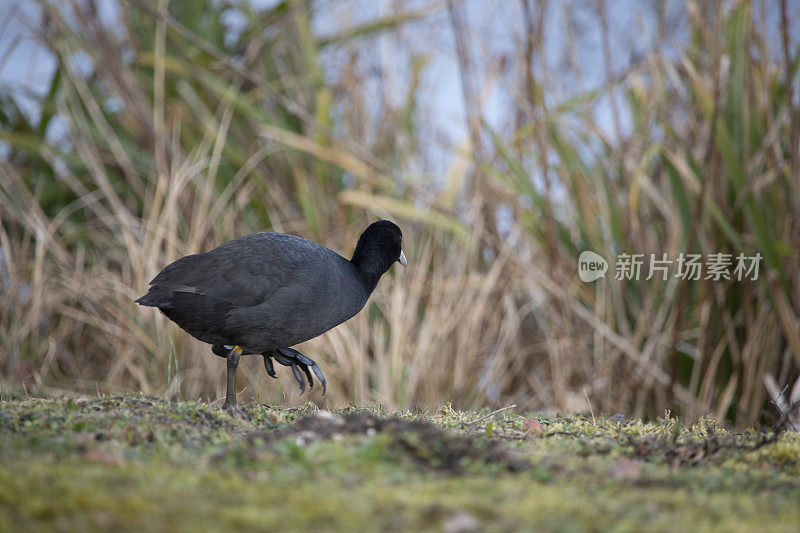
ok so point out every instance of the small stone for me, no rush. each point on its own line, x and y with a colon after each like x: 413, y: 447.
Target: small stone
x: 304, y: 437
x: 461, y: 522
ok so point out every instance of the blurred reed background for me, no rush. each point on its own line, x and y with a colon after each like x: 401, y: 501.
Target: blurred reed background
x: 170, y: 127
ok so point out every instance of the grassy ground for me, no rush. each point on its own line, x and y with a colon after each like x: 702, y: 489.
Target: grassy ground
x: 142, y: 463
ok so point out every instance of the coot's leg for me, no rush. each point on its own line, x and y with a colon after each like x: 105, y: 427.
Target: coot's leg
x: 304, y: 362
x: 233, y: 362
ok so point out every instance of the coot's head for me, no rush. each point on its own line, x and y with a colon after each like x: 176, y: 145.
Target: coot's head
x: 378, y: 248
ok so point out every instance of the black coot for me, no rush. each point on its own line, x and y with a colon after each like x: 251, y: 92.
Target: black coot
x: 262, y: 293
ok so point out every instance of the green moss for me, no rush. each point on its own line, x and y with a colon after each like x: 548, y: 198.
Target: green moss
x: 141, y: 463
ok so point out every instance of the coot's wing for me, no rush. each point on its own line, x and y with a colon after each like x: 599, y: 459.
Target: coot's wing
x: 243, y: 272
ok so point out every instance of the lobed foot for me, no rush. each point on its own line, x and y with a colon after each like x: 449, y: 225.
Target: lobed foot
x: 297, y: 362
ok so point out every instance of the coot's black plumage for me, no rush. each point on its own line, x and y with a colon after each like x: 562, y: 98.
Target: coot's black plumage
x: 263, y: 293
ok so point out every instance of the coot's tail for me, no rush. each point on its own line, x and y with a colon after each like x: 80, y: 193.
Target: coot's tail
x: 186, y: 306
x: 202, y: 316
x: 160, y: 299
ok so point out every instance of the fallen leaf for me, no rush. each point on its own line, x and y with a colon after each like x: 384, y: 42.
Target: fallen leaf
x: 533, y: 426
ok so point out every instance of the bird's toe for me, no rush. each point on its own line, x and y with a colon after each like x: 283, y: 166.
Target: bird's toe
x: 298, y: 377
x: 269, y: 366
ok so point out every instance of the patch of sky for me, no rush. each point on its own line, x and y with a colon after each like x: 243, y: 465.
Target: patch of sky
x: 25, y: 67
x: 57, y: 133
x: 235, y: 22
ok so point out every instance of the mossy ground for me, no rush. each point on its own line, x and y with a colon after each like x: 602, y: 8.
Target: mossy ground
x: 138, y: 464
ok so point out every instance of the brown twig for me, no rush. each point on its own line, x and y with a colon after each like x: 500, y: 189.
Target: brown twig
x: 481, y: 419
